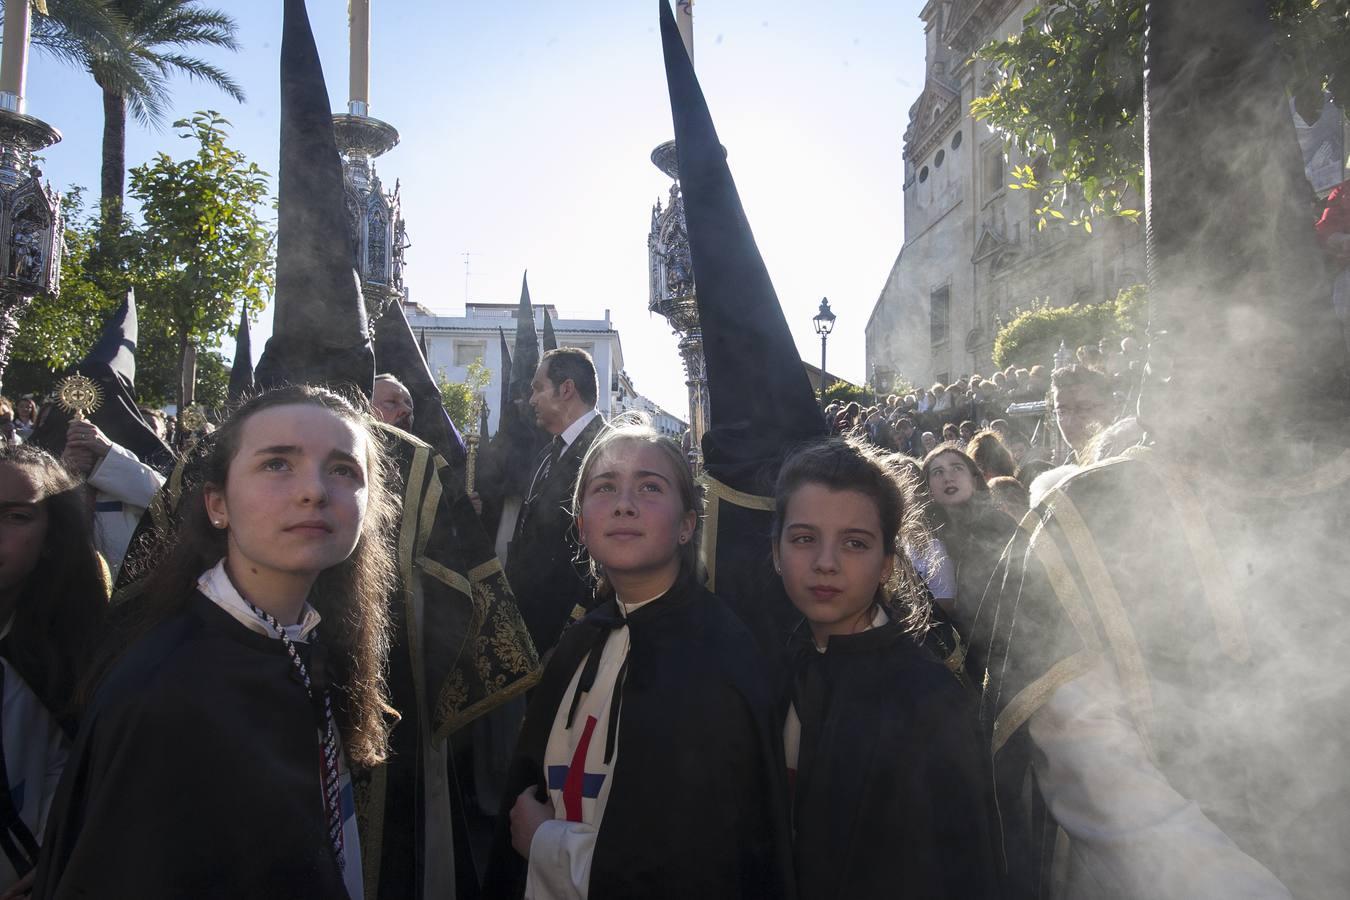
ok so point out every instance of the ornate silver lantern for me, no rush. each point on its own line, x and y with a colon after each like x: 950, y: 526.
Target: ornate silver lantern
x: 672, y: 293
x: 30, y: 223
x: 376, y: 217
x: 379, y: 236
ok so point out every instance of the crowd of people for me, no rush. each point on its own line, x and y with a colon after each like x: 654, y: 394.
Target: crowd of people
x: 302, y: 658
x: 288, y: 527
x: 916, y: 422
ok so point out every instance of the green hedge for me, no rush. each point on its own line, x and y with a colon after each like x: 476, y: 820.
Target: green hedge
x: 1033, y: 335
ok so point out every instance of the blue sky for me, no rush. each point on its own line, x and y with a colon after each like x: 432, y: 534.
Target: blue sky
x: 526, y: 129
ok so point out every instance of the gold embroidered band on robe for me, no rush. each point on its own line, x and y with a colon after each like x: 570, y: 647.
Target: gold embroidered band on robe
x: 491, y: 658
x: 1115, y: 622
x: 715, y: 494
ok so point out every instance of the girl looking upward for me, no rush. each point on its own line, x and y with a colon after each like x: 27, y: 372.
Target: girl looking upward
x: 237, y: 688
x: 647, y: 765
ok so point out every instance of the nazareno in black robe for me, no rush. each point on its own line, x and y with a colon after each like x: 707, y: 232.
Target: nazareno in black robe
x: 698, y: 804
x: 893, y: 796
x: 195, y: 774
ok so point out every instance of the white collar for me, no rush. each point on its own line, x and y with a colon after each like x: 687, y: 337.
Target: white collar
x: 215, y: 584
x: 879, y: 618
x: 629, y: 608
x: 573, y: 431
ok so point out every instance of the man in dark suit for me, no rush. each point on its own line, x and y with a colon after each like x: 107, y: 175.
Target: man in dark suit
x: 545, y: 566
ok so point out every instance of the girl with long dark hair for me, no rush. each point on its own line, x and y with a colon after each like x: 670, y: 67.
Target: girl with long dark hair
x: 213, y: 760
x: 53, y: 595
x: 972, y: 529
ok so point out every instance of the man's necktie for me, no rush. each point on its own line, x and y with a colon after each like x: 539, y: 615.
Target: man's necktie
x: 549, y: 456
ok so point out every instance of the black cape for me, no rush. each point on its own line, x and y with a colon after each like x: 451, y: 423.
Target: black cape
x: 195, y: 774
x: 698, y: 807
x: 892, y: 795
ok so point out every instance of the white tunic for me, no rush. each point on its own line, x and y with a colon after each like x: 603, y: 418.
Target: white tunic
x: 579, y: 779
x: 35, y: 755
x: 1132, y: 835
x: 124, y: 487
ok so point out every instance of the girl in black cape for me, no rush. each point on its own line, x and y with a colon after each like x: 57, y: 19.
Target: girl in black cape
x: 890, y: 788
x: 53, y: 596
x: 213, y: 758
x: 648, y: 764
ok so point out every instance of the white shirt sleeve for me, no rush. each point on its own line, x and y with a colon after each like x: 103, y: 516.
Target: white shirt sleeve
x: 1132, y: 834
x: 560, y: 861
x: 123, y: 477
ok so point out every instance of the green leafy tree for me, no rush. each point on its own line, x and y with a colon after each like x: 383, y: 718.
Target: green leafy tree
x: 847, y: 392
x: 1034, y: 335
x: 1069, y: 91
x: 132, y: 48
x: 204, y: 249
x: 459, y: 396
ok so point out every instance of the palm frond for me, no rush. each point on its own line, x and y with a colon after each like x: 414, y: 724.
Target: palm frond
x: 185, y: 27
x: 75, y: 31
x: 148, y: 94
x: 139, y: 65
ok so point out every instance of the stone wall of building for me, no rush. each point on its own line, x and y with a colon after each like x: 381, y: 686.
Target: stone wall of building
x: 972, y: 253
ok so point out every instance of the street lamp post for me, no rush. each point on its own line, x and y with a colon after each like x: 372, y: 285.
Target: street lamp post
x: 824, y: 322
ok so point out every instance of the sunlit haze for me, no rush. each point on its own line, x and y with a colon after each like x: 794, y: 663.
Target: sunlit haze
x: 526, y: 130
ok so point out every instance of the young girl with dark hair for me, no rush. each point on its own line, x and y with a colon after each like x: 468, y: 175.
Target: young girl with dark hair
x: 881, y: 738
x: 647, y: 766
x: 53, y: 596
x: 213, y: 759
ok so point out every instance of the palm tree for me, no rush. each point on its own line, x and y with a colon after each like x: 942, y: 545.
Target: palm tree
x: 132, y: 48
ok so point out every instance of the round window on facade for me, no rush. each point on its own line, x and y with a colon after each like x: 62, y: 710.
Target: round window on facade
x: 939, y: 159
x: 956, y: 140
x: 923, y: 175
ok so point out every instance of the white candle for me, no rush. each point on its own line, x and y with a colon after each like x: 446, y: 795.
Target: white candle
x: 684, y: 18
x: 14, y: 55
x: 360, y: 58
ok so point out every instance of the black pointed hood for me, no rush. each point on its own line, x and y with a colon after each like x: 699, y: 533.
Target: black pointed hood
x: 483, y: 422
x: 422, y: 344
x: 550, y: 340
x: 319, y: 330
x: 525, y: 359
x: 112, y: 364
x: 397, y: 354
x: 761, y: 400
x: 1240, y: 302
x: 511, y: 456
x: 241, y: 371
x: 506, y: 375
